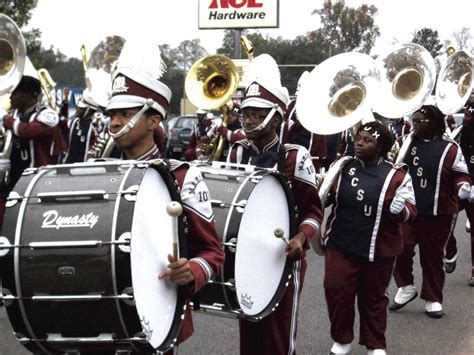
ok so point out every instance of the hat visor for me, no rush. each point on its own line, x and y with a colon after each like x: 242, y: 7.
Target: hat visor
x: 120, y: 104
x: 256, y: 102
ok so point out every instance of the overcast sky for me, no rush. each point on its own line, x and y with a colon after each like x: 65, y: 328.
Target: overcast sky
x: 67, y: 24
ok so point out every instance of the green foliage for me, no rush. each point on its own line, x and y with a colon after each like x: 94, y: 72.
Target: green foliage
x: 429, y: 39
x: 21, y: 14
x: 346, y: 29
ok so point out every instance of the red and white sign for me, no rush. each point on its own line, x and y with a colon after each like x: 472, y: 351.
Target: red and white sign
x: 238, y: 14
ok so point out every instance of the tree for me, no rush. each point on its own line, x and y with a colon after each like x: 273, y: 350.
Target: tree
x: 21, y: 15
x: 187, y: 53
x: 429, y: 39
x: 463, y: 40
x: 346, y: 29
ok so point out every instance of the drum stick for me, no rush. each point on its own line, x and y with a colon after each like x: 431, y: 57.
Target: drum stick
x: 174, y: 210
x: 280, y: 234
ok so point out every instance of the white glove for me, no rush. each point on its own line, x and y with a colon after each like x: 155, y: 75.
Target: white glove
x: 471, y: 197
x: 2, y: 114
x: 397, y: 205
x: 464, y: 192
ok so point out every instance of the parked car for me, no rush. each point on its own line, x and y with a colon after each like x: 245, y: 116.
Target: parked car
x: 180, y: 135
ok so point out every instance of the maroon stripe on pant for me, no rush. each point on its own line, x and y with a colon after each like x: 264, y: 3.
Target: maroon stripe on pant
x: 347, y: 277
x: 272, y: 335
x: 431, y: 233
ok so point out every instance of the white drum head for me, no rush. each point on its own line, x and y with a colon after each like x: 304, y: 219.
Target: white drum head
x: 260, y: 258
x: 151, y: 242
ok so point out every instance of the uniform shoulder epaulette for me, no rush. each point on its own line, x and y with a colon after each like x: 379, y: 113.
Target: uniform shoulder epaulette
x: 291, y: 146
x: 400, y: 166
x: 175, y: 164
x: 447, y: 138
x: 244, y: 142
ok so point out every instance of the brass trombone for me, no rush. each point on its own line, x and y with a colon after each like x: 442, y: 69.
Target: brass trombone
x: 47, y: 84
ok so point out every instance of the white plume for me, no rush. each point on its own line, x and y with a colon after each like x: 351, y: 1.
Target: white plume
x: 264, y: 70
x: 139, y: 57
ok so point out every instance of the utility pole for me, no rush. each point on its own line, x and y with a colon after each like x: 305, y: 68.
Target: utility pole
x: 237, y: 48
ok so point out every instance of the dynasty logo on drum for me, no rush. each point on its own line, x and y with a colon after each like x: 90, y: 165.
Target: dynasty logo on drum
x: 246, y: 301
x: 147, y: 331
x: 52, y: 219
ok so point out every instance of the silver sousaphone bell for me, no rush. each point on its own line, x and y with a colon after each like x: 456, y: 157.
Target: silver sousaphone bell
x: 407, y: 78
x: 454, y: 84
x: 337, y: 93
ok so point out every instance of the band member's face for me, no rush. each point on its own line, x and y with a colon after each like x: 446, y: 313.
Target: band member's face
x: 366, y: 147
x: 119, y: 119
x: 421, y: 124
x: 19, y: 99
x: 252, y: 117
x: 80, y: 111
x: 467, y: 119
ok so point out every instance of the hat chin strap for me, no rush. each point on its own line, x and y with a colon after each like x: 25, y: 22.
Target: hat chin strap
x: 133, y: 121
x: 265, y: 121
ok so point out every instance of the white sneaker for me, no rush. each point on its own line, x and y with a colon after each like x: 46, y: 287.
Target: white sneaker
x: 468, y: 226
x: 376, y: 352
x: 405, y: 294
x: 339, y: 348
x: 433, y: 306
x: 434, y: 309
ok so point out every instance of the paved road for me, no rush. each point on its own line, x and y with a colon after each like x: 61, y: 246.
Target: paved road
x: 409, y: 330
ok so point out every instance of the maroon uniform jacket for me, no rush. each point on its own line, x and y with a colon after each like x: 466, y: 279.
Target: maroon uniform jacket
x: 295, y: 133
x: 438, y: 170
x: 399, y: 128
x: 37, y: 140
x: 360, y: 222
x: 198, y: 136
x: 298, y: 169
x: 203, y: 243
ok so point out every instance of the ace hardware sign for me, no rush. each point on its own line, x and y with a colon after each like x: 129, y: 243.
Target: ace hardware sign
x: 228, y: 14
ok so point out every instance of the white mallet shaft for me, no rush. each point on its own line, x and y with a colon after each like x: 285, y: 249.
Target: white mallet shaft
x: 174, y: 210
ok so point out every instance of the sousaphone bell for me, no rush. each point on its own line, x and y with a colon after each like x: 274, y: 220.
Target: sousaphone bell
x: 210, y: 83
x: 337, y: 93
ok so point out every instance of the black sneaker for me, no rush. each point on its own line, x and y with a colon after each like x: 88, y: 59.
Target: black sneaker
x: 449, y: 267
x: 471, y: 281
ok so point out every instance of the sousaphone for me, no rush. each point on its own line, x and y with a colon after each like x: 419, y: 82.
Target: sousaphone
x: 12, y: 65
x: 454, y: 83
x: 407, y: 78
x: 337, y: 93
x: 210, y: 83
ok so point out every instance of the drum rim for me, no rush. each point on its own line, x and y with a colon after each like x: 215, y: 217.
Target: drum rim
x: 163, y: 168
x: 287, y: 270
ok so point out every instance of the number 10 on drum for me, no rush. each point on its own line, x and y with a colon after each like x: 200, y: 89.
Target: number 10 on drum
x: 174, y: 210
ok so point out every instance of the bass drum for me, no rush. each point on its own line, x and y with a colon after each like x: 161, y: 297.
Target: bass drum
x: 248, y: 204
x: 65, y: 260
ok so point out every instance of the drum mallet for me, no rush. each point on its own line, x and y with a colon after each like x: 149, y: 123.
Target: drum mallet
x: 174, y: 209
x: 280, y: 234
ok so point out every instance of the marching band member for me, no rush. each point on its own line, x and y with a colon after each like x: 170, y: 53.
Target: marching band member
x: 363, y: 237
x: 297, y: 134
x: 293, y: 131
x: 233, y: 132
x: 399, y: 127
x: 263, y: 108
x: 81, y: 133
x: 37, y: 139
x: 465, y: 138
x: 440, y: 177
x: 139, y: 102
x: 199, y: 138
x: 467, y: 147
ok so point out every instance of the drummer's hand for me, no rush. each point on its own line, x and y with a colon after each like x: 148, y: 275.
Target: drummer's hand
x: 179, y: 271
x: 295, y: 248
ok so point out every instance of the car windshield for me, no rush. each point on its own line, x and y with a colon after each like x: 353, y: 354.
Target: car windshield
x: 186, y: 122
